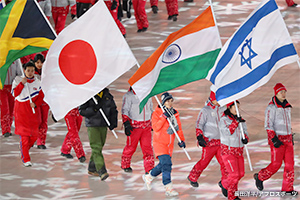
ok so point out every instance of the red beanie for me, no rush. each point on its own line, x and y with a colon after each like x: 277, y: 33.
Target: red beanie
x: 212, y: 96
x: 229, y: 104
x: 278, y: 87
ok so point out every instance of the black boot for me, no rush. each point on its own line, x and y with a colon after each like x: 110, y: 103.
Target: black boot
x: 128, y: 169
x: 258, y: 183
x: 154, y: 9
x: 103, y: 173
x: 194, y: 184
x: 224, y: 191
x: 92, y: 169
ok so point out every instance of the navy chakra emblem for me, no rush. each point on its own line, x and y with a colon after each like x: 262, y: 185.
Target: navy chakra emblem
x: 171, y: 54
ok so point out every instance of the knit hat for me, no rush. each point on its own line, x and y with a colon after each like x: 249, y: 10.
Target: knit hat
x: 212, y: 96
x: 165, y: 96
x: 278, y: 87
x: 231, y: 103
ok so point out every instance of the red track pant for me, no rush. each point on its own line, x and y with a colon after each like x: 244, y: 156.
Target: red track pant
x: 207, y: 154
x: 72, y: 139
x: 114, y: 14
x: 284, y: 153
x: 26, y: 142
x: 153, y: 2
x: 44, y: 110
x: 142, y: 135
x: 7, y: 103
x: 59, y: 15
x: 290, y: 2
x: 172, y: 7
x: 236, y: 170
x: 140, y: 13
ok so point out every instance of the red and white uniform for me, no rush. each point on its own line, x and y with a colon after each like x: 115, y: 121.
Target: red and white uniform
x: 278, y: 122
x: 141, y: 124
x: 26, y: 122
x: 114, y: 14
x: 7, y: 101
x: 43, y: 110
x: 73, y: 120
x: 172, y: 7
x: 208, y: 125
x: 46, y: 7
x: 60, y: 10
x: 232, y: 153
x: 140, y: 13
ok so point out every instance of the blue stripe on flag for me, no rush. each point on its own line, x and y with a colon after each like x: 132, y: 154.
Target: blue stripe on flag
x: 257, y: 74
x: 240, y: 36
x: 1, y: 5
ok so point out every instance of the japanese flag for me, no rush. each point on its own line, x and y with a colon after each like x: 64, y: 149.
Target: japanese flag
x: 86, y: 57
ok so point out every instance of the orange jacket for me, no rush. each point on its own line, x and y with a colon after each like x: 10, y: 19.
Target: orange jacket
x: 163, y: 143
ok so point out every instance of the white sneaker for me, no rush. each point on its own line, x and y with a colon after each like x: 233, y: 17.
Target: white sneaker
x: 148, y: 178
x: 170, y: 190
x: 27, y: 164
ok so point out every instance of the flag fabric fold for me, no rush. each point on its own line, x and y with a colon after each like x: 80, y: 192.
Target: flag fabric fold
x: 23, y: 31
x: 252, y: 55
x: 87, y: 56
x: 185, y: 56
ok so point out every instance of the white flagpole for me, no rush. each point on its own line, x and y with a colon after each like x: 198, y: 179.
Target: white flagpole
x: 105, y: 118
x: 172, y: 127
x: 243, y: 136
x: 26, y: 85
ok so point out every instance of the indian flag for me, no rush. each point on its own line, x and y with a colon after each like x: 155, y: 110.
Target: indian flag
x: 185, y: 56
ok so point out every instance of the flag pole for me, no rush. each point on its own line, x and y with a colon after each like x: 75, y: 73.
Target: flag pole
x: 105, y: 118
x: 243, y: 136
x: 172, y: 127
x: 212, y: 10
x: 27, y: 87
x: 298, y: 63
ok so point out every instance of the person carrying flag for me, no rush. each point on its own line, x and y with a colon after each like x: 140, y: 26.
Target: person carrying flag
x: 232, y: 145
x: 208, y: 136
x: 280, y: 139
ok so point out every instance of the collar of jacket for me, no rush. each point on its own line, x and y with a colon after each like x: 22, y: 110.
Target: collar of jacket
x: 280, y: 104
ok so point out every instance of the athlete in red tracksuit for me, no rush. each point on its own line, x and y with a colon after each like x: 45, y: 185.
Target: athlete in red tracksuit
x: 112, y: 6
x: 140, y: 15
x: 232, y: 145
x: 280, y: 138
x: 73, y: 120
x: 26, y: 122
x: 44, y: 108
x: 208, y: 136
x: 138, y: 129
x: 7, y: 101
x: 60, y: 10
x: 172, y: 8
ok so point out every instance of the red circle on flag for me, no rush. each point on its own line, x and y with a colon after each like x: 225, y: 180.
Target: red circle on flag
x: 77, y: 61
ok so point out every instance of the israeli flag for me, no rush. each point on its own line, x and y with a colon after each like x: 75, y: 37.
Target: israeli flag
x: 252, y: 54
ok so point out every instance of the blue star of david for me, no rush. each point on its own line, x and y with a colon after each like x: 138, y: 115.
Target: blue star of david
x: 252, y: 54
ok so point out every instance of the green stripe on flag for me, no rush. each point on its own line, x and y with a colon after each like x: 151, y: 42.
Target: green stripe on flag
x: 4, y: 15
x: 182, y: 72
x: 14, y: 55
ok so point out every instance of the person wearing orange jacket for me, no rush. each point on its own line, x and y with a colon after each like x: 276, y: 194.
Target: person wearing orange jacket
x: 163, y: 142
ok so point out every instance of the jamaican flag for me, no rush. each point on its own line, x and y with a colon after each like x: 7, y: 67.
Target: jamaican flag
x: 23, y: 31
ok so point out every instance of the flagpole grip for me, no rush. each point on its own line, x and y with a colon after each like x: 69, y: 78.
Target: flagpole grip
x: 173, y: 129
x: 243, y: 136
x: 105, y: 118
